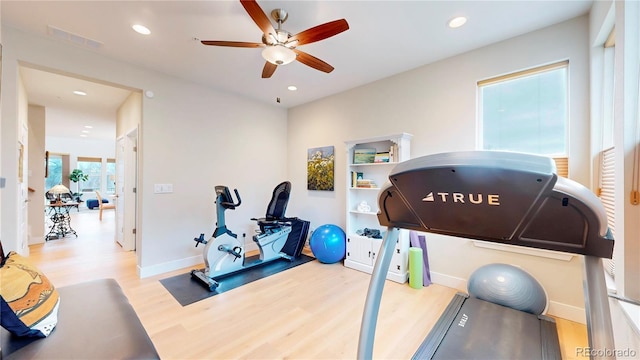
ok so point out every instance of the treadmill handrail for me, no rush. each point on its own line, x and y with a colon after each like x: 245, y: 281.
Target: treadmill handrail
x: 583, y: 194
x: 492, y: 196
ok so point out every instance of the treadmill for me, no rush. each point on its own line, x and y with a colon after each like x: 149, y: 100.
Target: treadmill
x: 500, y: 197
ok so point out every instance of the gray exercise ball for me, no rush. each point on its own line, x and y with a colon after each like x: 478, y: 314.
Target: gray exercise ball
x: 510, y: 286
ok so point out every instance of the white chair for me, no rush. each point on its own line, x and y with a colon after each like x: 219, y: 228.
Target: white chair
x: 103, y: 206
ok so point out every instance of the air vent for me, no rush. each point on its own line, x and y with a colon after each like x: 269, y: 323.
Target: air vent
x: 72, y: 38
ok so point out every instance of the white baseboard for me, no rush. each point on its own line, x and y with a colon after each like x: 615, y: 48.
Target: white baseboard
x: 449, y: 281
x: 157, y: 269
x: 632, y: 313
x: 558, y: 309
x: 36, y: 240
x: 568, y: 312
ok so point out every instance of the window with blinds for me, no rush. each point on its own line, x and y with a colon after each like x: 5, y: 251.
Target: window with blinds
x: 562, y: 166
x: 110, y: 179
x: 526, y: 111
x: 607, y: 196
x: 606, y: 182
x: 93, y: 168
x: 54, y: 171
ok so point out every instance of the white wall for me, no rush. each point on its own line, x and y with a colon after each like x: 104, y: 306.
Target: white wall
x: 626, y: 118
x: 191, y: 136
x: 437, y: 104
x: 22, y: 128
x: 81, y: 147
x: 2, y: 175
x: 36, y: 173
x: 128, y: 118
x: 8, y: 137
x: 603, y: 17
x: 129, y: 114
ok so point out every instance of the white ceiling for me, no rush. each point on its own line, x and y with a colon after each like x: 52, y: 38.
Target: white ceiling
x: 73, y: 116
x: 385, y: 38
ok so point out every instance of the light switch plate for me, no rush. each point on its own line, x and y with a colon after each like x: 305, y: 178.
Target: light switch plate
x: 162, y: 188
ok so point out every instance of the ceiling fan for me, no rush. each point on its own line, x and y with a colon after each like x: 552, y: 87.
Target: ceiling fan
x: 280, y: 47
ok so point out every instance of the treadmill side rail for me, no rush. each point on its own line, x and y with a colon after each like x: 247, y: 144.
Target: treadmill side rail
x: 374, y: 295
x: 599, y: 326
x: 430, y: 344
x: 549, y: 340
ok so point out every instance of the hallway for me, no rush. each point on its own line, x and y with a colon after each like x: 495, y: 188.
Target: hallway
x: 93, y: 254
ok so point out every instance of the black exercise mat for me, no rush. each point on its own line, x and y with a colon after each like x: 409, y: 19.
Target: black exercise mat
x: 187, y: 290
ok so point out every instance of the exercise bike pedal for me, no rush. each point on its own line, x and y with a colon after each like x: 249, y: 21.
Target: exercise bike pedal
x: 211, y: 284
x: 200, y: 240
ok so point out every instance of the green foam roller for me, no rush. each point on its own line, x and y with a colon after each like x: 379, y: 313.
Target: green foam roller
x: 415, y: 267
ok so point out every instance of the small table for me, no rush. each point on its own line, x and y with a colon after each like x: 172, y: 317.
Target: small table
x: 59, y: 215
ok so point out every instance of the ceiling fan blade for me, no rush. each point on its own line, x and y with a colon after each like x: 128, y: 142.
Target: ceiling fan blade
x: 320, y: 32
x: 313, y: 61
x: 259, y: 17
x: 232, y: 43
x: 268, y: 70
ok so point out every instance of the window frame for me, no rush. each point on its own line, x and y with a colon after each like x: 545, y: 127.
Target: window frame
x: 480, y: 145
x: 53, y: 158
x: 107, y: 174
x: 84, y: 159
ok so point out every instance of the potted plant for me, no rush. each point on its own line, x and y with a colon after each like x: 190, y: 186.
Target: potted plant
x: 76, y: 176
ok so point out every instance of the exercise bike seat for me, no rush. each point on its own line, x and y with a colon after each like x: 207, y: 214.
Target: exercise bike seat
x: 274, y: 218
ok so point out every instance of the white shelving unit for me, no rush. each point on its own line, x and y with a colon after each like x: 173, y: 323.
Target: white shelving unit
x: 362, y: 250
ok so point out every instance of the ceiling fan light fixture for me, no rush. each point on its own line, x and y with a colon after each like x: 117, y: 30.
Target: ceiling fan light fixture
x: 278, y: 54
x: 291, y: 44
x: 282, y: 36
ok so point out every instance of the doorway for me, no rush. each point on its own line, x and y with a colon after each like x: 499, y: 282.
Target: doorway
x: 81, y: 123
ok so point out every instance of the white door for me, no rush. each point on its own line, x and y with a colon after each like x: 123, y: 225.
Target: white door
x: 23, y: 198
x: 23, y: 186
x: 126, y: 183
x: 130, y: 189
x: 120, y: 194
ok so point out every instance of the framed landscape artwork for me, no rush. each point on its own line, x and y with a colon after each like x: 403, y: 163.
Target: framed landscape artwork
x: 364, y: 156
x: 320, y: 168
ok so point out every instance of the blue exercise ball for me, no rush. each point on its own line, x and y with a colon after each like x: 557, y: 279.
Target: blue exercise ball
x: 509, y: 286
x: 328, y: 244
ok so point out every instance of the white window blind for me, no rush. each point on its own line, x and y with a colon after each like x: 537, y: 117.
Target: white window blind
x: 607, y: 196
x: 562, y: 166
x: 525, y: 111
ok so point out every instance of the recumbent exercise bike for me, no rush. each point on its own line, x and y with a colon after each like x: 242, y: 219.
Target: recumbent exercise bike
x: 279, y: 237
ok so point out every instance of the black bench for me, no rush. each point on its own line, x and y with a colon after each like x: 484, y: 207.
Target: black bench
x: 95, y: 321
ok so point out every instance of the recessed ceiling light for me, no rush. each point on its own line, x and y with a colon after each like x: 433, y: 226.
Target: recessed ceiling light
x: 457, y: 22
x: 141, y: 29
x: 88, y: 127
x: 292, y: 87
x: 83, y: 135
x: 85, y: 131
x: 80, y: 92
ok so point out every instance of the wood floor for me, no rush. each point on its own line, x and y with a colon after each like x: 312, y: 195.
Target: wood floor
x: 312, y: 311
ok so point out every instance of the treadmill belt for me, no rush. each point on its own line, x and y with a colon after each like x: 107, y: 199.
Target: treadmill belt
x: 476, y: 329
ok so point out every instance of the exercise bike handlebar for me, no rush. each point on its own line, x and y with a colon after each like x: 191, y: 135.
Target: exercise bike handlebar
x: 230, y: 204
x: 225, y: 199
